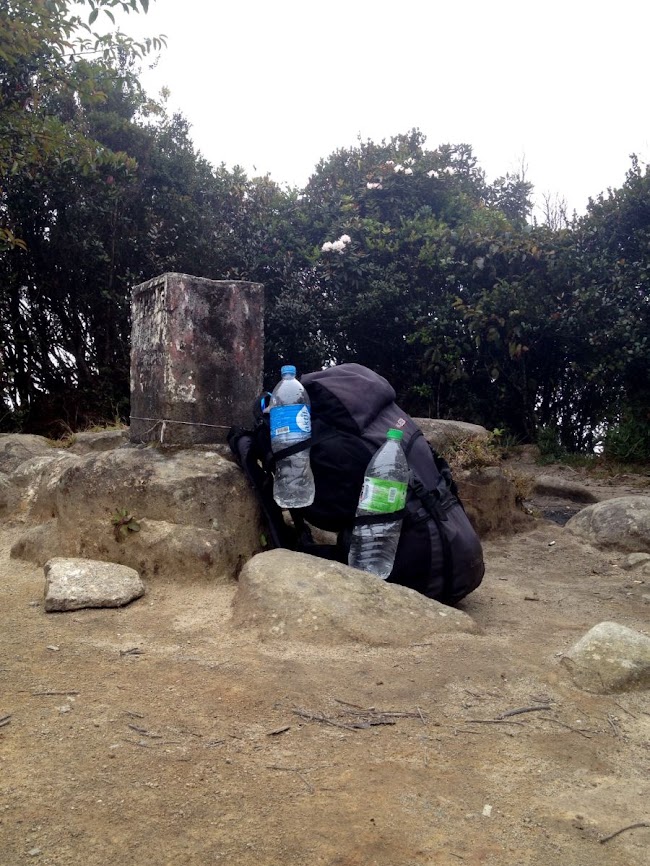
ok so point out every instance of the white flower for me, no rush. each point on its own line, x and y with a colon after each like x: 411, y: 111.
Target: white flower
x: 432, y: 173
x: 449, y: 170
x: 346, y: 239
x: 374, y: 186
x: 339, y: 246
x: 390, y: 162
x: 327, y: 247
x: 409, y: 161
x: 398, y: 168
x: 408, y: 171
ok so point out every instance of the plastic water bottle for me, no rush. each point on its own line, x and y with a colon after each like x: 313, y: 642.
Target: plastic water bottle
x: 385, y: 484
x: 293, y: 483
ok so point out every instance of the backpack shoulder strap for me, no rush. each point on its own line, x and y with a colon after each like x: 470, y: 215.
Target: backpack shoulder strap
x: 247, y: 447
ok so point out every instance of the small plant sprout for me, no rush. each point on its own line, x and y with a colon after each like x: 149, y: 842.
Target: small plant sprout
x: 124, y: 523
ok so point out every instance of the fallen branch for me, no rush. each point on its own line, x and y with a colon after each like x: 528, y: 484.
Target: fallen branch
x: 583, y: 733
x: 316, y: 717
x: 51, y: 694
x: 493, y: 722
x: 623, y: 830
x: 521, y: 710
x: 5, y: 720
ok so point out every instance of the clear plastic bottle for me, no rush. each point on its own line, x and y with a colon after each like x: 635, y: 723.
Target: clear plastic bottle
x: 293, y: 483
x: 385, y: 484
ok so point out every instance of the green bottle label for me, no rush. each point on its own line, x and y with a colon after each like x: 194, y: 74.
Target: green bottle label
x: 381, y: 496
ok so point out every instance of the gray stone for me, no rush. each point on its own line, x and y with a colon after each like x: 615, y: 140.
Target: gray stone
x: 287, y: 595
x: 548, y: 485
x: 622, y: 524
x: 634, y: 560
x: 610, y: 658
x: 71, y: 584
x: 442, y: 434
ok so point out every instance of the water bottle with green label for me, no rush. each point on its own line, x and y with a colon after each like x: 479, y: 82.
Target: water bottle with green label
x: 374, y: 540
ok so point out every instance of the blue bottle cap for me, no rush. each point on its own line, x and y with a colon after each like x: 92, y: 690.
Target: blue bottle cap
x: 288, y: 368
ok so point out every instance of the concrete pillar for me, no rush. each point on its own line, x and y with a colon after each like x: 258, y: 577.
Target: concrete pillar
x: 197, y: 355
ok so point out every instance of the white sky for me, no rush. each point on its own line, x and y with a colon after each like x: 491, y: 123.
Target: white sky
x: 274, y: 85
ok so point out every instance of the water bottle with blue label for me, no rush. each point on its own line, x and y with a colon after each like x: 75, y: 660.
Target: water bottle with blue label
x: 290, y: 415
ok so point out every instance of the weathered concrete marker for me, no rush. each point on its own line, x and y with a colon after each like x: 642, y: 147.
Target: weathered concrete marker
x: 197, y: 351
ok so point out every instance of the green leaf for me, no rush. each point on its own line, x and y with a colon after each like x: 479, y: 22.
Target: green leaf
x: 93, y: 16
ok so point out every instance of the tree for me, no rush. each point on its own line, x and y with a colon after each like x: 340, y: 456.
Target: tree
x: 43, y: 46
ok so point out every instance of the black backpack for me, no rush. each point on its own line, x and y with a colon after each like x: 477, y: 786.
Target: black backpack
x: 352, y: 407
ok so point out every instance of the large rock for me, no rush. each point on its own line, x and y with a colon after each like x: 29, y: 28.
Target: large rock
x: 622, y: 523
x: 442, y: 434
x: 71, y: 584
x: 37, y: 480
x: 610, y: 658
x: 16, y: 448
x: 9, y: 497
x: 290, y: 595
x: 196, y: 514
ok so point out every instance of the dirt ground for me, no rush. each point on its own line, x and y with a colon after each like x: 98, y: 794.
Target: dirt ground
x: 157, y: 734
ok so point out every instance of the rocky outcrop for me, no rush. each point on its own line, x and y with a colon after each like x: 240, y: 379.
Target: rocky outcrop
x: 194, y: 513
x: 610, y: 658
x: 621, y: 524
x: 16, y: 448
x: 71, y: 584
x: 294, y: 596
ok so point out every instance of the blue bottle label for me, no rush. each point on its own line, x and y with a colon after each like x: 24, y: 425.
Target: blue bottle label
x: 291, y: 420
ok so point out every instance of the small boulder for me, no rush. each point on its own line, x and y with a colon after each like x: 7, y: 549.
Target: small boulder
x: 441, y: 434
x: 636, y: 560
x: 71, y: 584
x: 295, y: 596
x: 610, y: 658
x: 622, y: 524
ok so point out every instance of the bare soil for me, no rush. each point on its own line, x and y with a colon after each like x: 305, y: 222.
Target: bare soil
x: 158, y: 734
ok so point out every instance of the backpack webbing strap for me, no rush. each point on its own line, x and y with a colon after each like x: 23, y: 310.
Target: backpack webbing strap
x: 434, y: 503
x: 303, y: 444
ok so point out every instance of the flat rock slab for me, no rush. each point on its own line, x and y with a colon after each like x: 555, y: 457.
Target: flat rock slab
x: 622, y: 523
x: 74, y: 583
x: 610, y: 658
x: 549, y: 485
x: 295, y: 596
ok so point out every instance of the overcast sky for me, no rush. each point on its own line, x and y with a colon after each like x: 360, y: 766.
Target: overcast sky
x: 275, y: 85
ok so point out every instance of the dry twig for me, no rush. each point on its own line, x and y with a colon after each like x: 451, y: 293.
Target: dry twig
x: 521, y: 710
x: 622, y: 830
x: 583, y: 733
